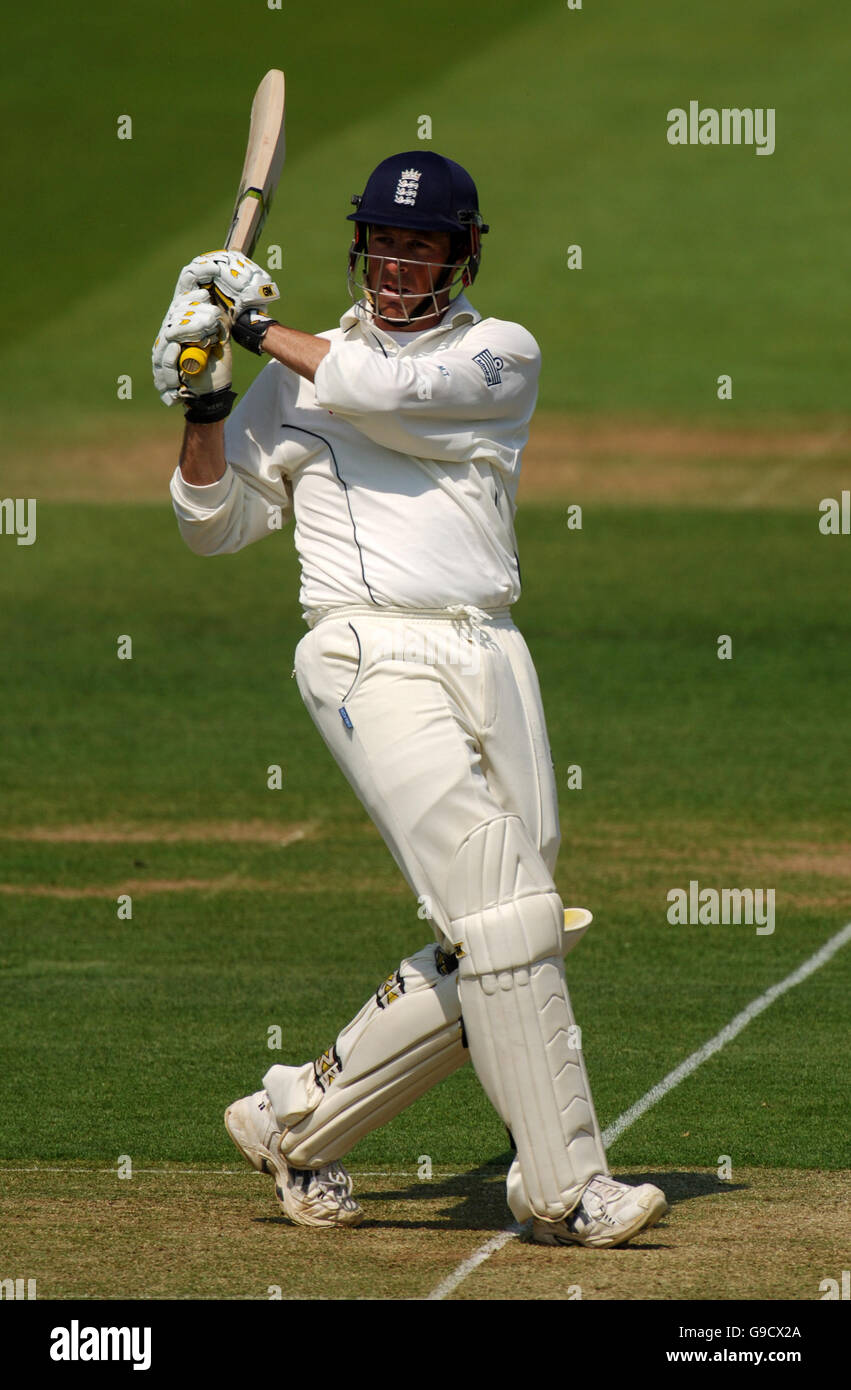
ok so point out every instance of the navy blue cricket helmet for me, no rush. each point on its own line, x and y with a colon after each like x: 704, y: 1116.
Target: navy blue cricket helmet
x: 426, y: 192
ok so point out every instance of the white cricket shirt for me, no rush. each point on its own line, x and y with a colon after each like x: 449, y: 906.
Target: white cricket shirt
x: 400, y: 464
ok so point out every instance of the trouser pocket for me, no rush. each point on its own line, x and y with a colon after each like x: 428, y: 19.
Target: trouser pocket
x: 329, y: 663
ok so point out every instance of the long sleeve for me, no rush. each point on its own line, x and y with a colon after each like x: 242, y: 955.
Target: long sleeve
x: 254, y: 497
x: 457, y: 405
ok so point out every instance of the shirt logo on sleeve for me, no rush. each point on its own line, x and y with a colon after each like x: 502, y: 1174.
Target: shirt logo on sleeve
x: 408, y: 187
x: 490, y: 366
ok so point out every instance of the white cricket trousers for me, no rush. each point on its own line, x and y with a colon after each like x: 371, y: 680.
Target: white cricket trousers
x: 436, y: 721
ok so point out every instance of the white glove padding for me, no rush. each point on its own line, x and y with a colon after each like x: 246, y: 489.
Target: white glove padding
x: 191, y: 318
x: 238, y: 283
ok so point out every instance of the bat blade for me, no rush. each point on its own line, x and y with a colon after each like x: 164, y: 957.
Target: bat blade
x: 264, y: 160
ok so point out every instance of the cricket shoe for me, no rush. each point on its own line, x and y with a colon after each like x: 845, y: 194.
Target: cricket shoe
x: 609, y: 1213
x: 308, y: 1196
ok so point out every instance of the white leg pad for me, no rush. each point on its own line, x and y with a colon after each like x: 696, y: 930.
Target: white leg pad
x: 383, y: 1060
x: 404, y: 1040
x: 507, y: 922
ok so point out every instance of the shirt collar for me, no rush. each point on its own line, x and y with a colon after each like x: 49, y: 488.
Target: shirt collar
x: 460, y: 312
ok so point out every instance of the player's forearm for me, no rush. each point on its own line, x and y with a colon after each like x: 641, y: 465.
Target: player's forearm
x: 301, y: 352
x: 202, y: 456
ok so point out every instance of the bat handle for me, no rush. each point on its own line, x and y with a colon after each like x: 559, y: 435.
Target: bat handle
x: 195, y: 356
x: 193, y: 359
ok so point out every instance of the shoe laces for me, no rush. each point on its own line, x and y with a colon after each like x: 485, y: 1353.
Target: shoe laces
x: 606, y: 1188
x: 599, y: 1192
x: 330, y: 1184
x: 334, y: 1180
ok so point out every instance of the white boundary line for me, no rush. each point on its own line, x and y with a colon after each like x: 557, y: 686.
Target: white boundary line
x: 616, y: 1129
x: 732, y: 1029
x: 484, y: 1252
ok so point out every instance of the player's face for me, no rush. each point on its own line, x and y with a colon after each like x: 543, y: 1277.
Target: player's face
x: 403, y: 268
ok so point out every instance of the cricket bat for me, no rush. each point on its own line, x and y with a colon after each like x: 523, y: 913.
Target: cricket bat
x: 264, y: 160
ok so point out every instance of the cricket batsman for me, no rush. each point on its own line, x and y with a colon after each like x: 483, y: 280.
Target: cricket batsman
x: 395, y: 442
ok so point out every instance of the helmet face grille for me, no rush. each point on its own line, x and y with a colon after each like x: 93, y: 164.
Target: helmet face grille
x: 446, y: 280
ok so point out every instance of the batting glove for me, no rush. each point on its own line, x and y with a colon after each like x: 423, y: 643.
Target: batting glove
x: 234, y: 281
x: 194, y: 318
x: 250, y: 328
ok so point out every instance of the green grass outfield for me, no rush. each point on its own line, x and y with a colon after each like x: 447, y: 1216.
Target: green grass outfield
x: 131, y: 1037
x: 696, y: 260
x: 255, y: 908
